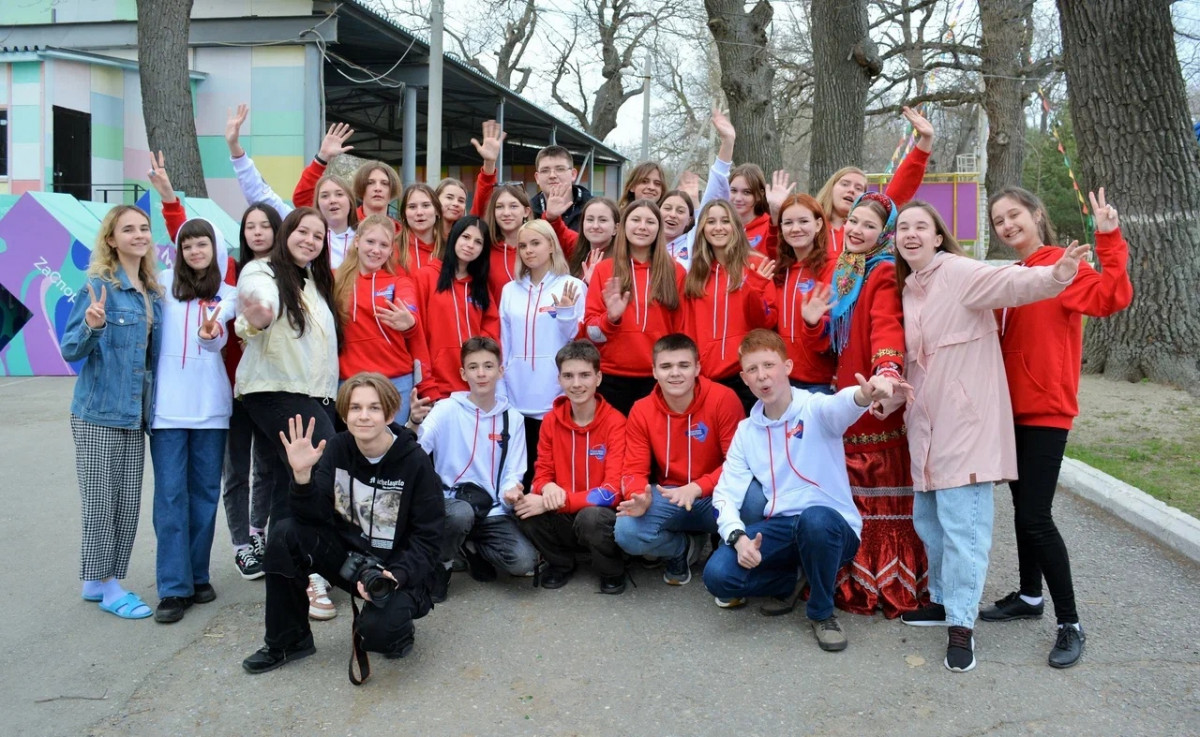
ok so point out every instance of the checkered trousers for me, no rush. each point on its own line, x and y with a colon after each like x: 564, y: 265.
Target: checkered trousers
x: 109, y: 463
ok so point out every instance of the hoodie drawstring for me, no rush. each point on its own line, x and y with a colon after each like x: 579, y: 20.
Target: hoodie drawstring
x: 374, y: 308
x: 474, y: 443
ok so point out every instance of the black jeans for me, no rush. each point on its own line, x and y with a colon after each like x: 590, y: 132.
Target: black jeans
x: 559, y: 536
x: 296, y: 549
x: 270, y: 412
x: 622, y: 391
x: 245, y: 506
x: 533, y: 430
x: 1040, y: 548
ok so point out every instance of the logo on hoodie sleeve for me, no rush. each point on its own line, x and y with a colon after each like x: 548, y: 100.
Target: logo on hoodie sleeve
x: 601, y: 497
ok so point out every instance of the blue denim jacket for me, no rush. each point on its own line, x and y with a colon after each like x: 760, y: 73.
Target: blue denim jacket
x: 115, y: 387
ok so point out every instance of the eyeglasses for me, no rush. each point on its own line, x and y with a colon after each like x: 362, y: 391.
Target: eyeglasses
x: 559, y: 170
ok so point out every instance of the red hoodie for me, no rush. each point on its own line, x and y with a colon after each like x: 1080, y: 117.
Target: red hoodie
x: 902, y: 188
x: 684, y: 447
x: 763, y: 235
x: 369, y: 345
x: 420, y: 253
x: 485, y: 184
x: 458, y: 318
x: 626, y: 348
x: 582, y: 459
x: 502, y: 268
x: 720, y: 319
x: 1042, y: 342
x: 812, y: 360
x: 304, y: 195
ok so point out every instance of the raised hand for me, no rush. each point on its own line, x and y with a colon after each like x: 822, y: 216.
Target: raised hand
x: 570, y: 294
x: 489, y: 148
x: 636, y: 505
x: 816, y: 304
x: 159, y: 179
x: 595, y: 256
x: 301, y: 453
x: 765, y: 267
x: 418, y: 408
x: 778, y: 190
x: 558, y: 200
x: 396, y: 315
x: 334, y: 142
x: 921, y: 126
x: 257, y: 313
x: 1067, y: 266
x: 1104, y: 213
x: 749, y: 550
x: 233, y: 130
x: 725, y: 132
x: 210, y: 326
x: 94, y: 316
x: 689, y: 184
x: 615, y: 300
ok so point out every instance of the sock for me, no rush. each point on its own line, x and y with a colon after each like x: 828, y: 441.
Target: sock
x: 92, y: 589
x: 1031, y: 600
x: 112, y: 590
x: 256, y: 531
x: 1071, y: 624
x: 448, y: 564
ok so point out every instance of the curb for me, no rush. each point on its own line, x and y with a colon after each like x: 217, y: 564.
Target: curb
x: 1168, y: 525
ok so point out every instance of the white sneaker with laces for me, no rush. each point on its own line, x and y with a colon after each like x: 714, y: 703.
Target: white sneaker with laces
x: 320, y: 606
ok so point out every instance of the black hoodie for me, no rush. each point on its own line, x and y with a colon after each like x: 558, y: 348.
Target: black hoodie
x: 393, y: 509
x: 579, y: 197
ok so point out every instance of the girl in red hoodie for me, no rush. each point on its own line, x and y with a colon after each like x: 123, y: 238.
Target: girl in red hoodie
x: 633, y: 300
x: 867, y: 333
x: 803, y: 275
x: 507, y: 211
x: 458, y: 294
x: 843, y: 188
x: 1042, y: 345
x: 381, y: 330
x: 421, y: 225
x: 598, y: 222
x: 727, y: 293
x: 748, y: 195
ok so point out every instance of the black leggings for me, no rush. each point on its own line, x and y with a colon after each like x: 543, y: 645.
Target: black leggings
x: 622, y: 391
x: 1040, y: 548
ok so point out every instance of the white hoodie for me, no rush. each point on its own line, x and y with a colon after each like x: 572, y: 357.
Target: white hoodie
x: 532, y: 330
x: 464, y: 442
x: 192, y: 388
x: 799, y: 459
x: 717, y: 188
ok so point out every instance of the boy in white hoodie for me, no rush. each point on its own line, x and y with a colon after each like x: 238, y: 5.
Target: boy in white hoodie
x: 792, y: 444
x: 477, y: 443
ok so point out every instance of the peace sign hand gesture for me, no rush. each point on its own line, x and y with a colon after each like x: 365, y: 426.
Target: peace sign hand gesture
x: 210, y: 326
x: 94, y: 317
x: 159, y: 178
x: 396, y: 316
x: 301, y: 453
x: 1067, y: 266
x: 1104, y: 213
x: 816, y: 304
x: 570, y: 294
x: 334, y: 142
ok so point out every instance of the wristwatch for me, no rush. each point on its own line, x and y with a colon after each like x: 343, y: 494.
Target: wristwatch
x: 734, y: 537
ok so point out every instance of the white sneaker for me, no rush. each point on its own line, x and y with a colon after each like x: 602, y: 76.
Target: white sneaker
x: 320, y: 606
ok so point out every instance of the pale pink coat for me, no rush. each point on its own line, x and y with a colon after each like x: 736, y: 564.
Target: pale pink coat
x: 960, y: 427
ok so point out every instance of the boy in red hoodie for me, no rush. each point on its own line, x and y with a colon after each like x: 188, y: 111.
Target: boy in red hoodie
x: 577, y: 476
x: 683, y: 429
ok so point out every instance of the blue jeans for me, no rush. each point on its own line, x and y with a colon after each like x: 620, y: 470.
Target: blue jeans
x: 187, y: 489
x: 404, y: 385
x: 819, y: 540
x: 956, y: 527
x: 662, y: 531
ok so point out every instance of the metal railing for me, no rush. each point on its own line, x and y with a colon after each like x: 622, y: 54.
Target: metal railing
x: 102, y: 189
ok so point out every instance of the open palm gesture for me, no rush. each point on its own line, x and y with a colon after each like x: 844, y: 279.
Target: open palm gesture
x: 570, y: 294
x: 302, y: 455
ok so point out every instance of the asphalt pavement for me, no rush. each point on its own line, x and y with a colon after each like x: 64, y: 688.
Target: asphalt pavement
x: 507, y: 659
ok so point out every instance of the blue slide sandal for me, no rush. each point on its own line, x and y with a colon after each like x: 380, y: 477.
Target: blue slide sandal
x: 129, y: 606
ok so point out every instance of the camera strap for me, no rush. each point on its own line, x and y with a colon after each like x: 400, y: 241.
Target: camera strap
x: 358, y: 656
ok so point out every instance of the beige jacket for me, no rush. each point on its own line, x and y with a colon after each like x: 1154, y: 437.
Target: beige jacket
x: 960, y: 427
x: 276, y: 359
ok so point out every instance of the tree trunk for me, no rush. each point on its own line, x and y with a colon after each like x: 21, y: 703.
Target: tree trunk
x: 845, y: 60
x: 167, y: 92
x: 1129, y: 107
x: 747, y: 78
x: 1007, y: 31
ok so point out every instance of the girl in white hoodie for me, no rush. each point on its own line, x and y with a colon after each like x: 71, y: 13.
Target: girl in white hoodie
x: 193, y: 402
x: 540, y: 312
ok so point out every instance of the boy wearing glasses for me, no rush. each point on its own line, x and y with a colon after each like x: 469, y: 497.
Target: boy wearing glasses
x: 553, y: 168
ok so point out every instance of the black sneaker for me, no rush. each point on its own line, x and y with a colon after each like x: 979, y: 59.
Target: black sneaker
x: 933, y: 615
x: 1068, y: 646
x: 270, y: 658
x: 441, y: 584
x: 960, y: 651
x: 1011, y: 607
x: 679, y: 569
x: 258, y: 541
x: 478, y: 566
x: 171, y: 609
x: 612, y: 585
x: 555, y: 578
x: 248, y: 563
x: 203, y: 593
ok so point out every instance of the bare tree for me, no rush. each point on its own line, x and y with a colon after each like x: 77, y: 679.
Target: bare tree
x: 747, y: 77
x: 1129, y: 106
x: 163, y: 27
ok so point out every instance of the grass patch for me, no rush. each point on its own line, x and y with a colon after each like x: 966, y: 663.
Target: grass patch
x: 1168, y: 470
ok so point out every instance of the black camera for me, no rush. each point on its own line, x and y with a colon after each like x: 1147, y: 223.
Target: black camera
x: 368, y: 570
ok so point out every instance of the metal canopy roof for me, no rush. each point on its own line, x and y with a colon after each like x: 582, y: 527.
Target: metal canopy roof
x: 383, y: 58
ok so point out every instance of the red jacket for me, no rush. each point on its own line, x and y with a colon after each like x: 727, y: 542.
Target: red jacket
x: 876, y: 339
x: 484, y: 185
x: 1043, y: 342
x: 902, y: 188
x: 457, y: 319
x: 812, y: 360
x: 567, y: 238
x: 684, y: 447
x: 420, y: 253
x: 585, y: 460
x: 174, y: 216
x: 369, y: 345
x: 763, y: 235
x: 720, y: 319
x: 304, y: 195
x: 626, y: 348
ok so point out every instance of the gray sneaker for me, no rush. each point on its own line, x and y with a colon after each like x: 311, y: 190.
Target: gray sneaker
x: 829, y: 634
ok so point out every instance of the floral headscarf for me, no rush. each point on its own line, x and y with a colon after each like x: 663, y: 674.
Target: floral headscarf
x: 853, y: 268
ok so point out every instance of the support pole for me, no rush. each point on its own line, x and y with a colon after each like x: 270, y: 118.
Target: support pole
x: 500, y: 158
x: 646, y: 110
x: 409, y: 165
x: 433, y: 135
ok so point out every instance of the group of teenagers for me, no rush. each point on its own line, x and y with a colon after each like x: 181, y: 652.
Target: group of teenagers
x: 822, y: 389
